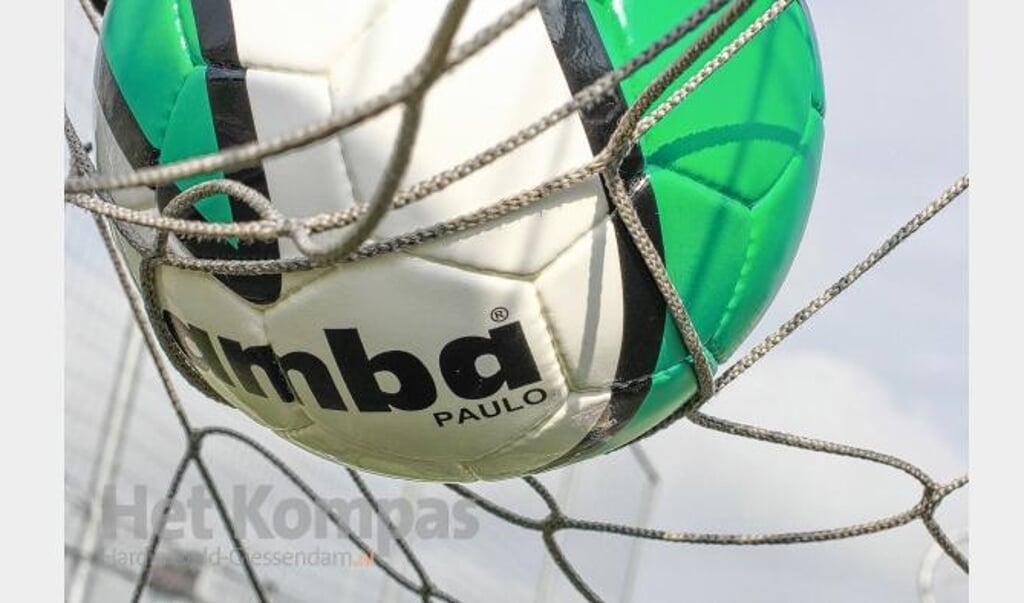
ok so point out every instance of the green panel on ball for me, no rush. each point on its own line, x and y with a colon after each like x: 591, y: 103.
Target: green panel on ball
x: 155, y: 55
x: 733, y: 170
x: 192, y: 133
x: 148, y: 52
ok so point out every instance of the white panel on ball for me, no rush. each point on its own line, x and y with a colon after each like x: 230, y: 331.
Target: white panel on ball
x: 303, y: 37
x: 548, y: 442
x: 524, y: 242
x: 325, y: 443
x: 582, y: 294
x: 502, y: 101
x: 226, y: 333
x: 402, y: 337
x: 308, y: 181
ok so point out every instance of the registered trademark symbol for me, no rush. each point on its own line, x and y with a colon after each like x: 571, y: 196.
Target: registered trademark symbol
x: 499, y: 314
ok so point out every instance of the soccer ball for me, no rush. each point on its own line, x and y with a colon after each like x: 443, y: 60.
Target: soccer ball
x: 531, y: 342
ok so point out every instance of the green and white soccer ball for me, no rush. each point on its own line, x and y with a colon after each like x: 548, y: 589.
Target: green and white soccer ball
x: 528, y: 343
